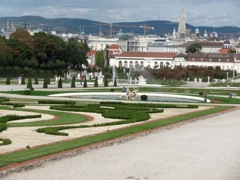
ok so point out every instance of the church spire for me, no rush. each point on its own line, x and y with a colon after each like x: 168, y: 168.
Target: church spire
x: 182, y: 25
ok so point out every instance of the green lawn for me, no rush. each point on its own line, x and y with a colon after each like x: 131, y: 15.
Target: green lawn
x: 31, y: 153
x: 64, y: 118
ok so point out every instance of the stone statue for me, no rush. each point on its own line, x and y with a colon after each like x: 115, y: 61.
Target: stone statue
x: 132, y: 95
x: 141, y: 80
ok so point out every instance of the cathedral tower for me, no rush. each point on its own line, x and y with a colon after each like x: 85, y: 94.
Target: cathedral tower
x: 182, y: 25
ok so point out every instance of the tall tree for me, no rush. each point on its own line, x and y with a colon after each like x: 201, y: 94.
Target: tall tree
x: 76, y: 55
x: 196, y: 47
x: 50, y: 50
x: 24, y: 36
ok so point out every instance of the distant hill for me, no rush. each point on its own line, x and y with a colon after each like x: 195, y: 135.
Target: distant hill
x: 73, y: 25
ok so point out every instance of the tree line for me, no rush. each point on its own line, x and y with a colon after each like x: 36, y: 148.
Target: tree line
x: 40, y: 54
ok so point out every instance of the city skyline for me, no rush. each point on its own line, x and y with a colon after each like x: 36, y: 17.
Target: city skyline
x: 198, y: 13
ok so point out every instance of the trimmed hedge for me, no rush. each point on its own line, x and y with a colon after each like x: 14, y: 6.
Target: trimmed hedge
x: 3, y: 127
x: 55, y: 102
x: 5, y: 142
x: 5, y: 119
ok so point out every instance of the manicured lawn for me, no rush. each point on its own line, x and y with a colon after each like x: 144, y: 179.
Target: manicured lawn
x: 64, y: 118
x: 31, y: 153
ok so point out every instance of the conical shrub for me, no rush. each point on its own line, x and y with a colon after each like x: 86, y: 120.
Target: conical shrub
x: 60, y: 83
x: 85, y: 82
x: 73, y: 85
x: 8, y: 81
x: 96, y: 82
x: 29, y: 84
x: 45, y: 84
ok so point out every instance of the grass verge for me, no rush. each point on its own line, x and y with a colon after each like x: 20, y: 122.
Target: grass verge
x: 36, y: 152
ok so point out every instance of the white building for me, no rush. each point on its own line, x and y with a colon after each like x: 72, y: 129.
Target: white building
x: 141, y: 60
x: 223, y: 61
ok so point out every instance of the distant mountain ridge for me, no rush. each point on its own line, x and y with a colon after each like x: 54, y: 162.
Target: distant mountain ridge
x: 75, y: 25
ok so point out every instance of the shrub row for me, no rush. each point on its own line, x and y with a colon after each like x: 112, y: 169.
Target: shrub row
x: 3, y: 127
x: 5, y: 119
x: 5, y: 142
x: 55, y: 102
x: 13, y: 104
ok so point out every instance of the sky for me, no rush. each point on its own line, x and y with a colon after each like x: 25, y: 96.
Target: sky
x: 212, y: 13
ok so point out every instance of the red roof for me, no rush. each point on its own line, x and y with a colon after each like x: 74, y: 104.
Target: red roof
x: 90, y: 53
x: 114, y: 46
x: 224, y: 51
x: 147, y: 54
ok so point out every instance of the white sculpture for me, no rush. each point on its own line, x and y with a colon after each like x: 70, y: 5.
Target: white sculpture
x: 132, y: 95
x: 141, y: 80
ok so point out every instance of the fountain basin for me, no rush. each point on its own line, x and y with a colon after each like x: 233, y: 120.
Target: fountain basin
x: 154, y: 97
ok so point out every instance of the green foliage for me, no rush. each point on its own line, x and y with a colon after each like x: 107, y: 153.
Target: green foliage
x: 73, y: 85
x: 5, y: 141
x: 196, y: 47
x: 144, y: 97
x: 55, y: 102
x: 7, y: 118
x: 45, y: 83
x: 115, y: 82
x: 27, y: 92
x: 8, y: 81
x: 105, y: 83
x: 40, y: 151
x: 23, y: 79
x: 3, y: 127
x: 60, y: 83
x: 85, y: 82
x: 100, y: 59
x: 76, y: 54
x: 96, y: 82
x: 35, y: 80
x: 29, y: 84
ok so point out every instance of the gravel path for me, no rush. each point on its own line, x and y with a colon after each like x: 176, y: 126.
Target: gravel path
x: 206, y: 149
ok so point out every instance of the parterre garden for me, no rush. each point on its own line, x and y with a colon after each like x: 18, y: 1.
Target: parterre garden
x: 126, y: 113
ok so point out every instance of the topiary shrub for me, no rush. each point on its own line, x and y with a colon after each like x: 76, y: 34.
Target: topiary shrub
x: 23, y: 79
x: 29, y: 84
x: 60, y: 83
x: 144, y: 97
x: 27, y: 92
x: 105, y: 82
x: 5, y: 142
x: 36, y: 80
x: 73, y: 85
x: 45, y: 84
x: 96, y: 82
x: 8, y: 81
x: 85, y: 82
x: 115, y: 82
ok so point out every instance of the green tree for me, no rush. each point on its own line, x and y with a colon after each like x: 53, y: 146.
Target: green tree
x: 100, y: 59
x: 73, y: 85
x: 76, y: 55
x: 24, y: 36
x: 96, y: 82
x: 196, y: 47
x: 50, y: 52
